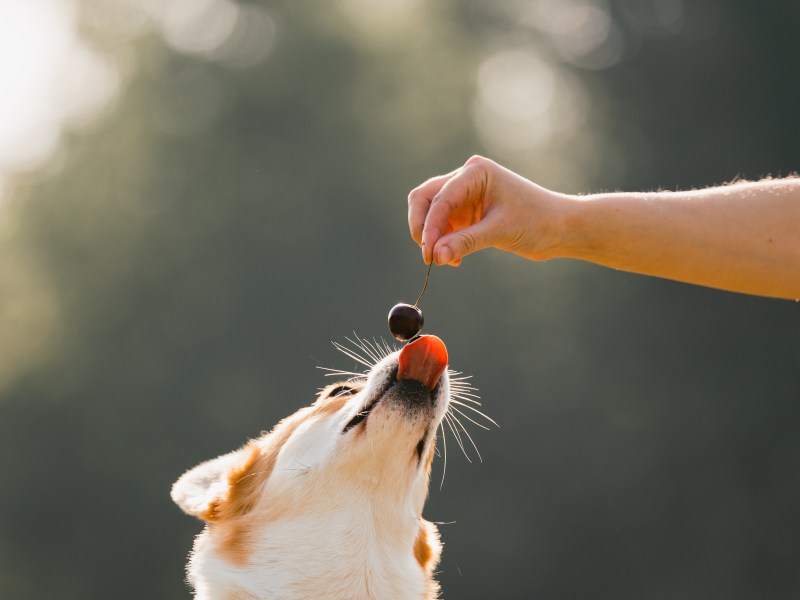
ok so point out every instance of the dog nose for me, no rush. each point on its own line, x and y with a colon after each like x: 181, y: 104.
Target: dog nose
x: 423, y: 360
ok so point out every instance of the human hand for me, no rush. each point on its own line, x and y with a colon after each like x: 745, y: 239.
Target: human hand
x: 482, y: 205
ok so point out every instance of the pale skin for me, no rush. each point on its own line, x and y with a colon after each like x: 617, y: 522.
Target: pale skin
x: 741, y: 237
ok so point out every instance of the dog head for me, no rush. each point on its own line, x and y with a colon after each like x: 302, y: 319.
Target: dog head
x: 340, y: 482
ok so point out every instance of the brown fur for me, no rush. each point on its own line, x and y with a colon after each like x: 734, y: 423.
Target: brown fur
x: 429, y: 463
x: 422, y: 548
x: 229, y: 514
x: 240, y: 596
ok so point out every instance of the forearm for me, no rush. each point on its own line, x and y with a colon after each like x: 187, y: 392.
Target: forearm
x: 743, y: 237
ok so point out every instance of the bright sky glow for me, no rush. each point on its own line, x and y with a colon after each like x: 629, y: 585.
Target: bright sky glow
x: 52, y: 81
x: 48, y: 80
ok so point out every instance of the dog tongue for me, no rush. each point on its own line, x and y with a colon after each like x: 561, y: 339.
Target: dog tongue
x: 423, y: 360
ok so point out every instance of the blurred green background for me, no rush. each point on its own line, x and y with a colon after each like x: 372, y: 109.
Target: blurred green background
x: 199, y: 195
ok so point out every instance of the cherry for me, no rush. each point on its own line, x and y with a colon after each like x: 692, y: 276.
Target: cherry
x: 405, y: 321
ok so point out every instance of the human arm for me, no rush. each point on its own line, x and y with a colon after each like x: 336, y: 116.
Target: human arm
x: 743, y: 237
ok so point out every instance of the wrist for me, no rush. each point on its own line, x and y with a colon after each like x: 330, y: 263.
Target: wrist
x: 554, y: 231
x: 576, y: 212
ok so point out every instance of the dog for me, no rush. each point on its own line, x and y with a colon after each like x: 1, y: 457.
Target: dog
x: 328, y: 505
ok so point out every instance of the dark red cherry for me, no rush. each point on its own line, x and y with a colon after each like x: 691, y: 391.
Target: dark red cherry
x: 405, y: 321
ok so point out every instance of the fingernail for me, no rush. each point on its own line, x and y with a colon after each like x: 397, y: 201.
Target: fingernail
x: 445, y: 255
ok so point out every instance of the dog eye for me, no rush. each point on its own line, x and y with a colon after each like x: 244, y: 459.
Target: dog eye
x: 342, y: 390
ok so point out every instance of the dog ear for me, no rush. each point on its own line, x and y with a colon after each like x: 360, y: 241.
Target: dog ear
x: 230, y: 486
x: 199, y: 491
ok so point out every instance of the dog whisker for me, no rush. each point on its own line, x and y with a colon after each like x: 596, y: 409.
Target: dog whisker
x: 469, y: 437
x: 464, y: 385
x: 458, y: 376
x: 444, y: 466
x: 375, y: 352
x: 467, y: 392
x: 476, y: 411
x: 365, y: 347
x: 460, y: 396
x: 376, y: 349
x: 388, y: 348
x: 466, y: 416
x: 351, y: 375
x: 362, y: 352
x: 449, y: 418
x: 352, y: 354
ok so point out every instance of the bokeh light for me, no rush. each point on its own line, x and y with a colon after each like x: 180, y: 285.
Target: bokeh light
x: 522, y: 101
x: 56, y: 80
x: 51, y: 80
x: 195, y: 26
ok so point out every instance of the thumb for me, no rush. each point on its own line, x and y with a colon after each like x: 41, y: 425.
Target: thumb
x: 451, y: 248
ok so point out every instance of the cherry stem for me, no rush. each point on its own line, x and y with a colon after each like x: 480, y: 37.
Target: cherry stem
x: 424, y: 287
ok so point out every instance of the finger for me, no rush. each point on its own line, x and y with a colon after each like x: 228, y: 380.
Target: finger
x: 454, y: 193
x: 419, y: 201
x: 452, y: 247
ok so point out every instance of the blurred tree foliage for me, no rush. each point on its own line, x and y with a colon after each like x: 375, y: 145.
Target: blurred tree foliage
x: 169, y: 290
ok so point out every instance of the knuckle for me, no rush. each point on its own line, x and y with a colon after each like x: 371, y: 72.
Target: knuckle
x: 478, y: 160
x: 468, y: 242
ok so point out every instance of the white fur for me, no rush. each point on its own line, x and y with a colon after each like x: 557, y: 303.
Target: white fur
x: 339, y: 514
